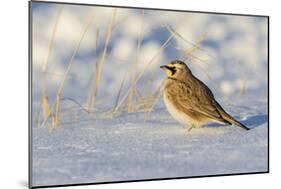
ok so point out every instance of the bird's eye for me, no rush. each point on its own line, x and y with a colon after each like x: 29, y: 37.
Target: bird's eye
x: 173, y: 70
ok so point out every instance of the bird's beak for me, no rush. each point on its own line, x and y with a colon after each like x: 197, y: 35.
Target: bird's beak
x: 169, y: 70
x: 164, y: 67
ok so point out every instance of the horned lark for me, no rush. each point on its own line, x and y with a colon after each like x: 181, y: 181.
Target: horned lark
x: 189, y: 100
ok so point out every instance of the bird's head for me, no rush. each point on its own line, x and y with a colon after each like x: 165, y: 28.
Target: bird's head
x: 176, y: 69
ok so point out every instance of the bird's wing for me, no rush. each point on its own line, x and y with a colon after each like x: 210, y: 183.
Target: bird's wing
x: 196, y: 97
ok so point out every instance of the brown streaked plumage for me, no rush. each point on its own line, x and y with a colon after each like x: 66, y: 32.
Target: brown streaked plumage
x: 189, y: 100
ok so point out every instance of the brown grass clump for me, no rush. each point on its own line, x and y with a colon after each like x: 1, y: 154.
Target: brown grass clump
x: 129, y: 97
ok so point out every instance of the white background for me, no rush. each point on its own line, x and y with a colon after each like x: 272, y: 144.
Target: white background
x: 14, y: 93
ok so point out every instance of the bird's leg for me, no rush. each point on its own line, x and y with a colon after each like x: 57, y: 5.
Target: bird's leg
x: 191, y: 127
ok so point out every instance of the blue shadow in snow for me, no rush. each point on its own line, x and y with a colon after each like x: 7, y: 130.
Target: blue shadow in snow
x: 251, y: 121
x: 255, y: 120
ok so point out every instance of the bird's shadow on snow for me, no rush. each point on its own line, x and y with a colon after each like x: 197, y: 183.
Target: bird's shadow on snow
x: 256, y: 120
x: 251, y: 121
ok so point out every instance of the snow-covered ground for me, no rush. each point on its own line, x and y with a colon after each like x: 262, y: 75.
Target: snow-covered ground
x: 93, y: 148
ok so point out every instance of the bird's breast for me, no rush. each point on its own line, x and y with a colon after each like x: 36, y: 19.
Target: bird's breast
x: 175, y: 112
x: 181, y: 116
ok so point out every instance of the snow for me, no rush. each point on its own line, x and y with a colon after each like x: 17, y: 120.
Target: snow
x: 89, y: 148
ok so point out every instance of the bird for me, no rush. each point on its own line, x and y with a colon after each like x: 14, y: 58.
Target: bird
x: 190, y: 101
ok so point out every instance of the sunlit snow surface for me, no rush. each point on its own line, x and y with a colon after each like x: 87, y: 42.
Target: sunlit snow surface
x: 92, y: 148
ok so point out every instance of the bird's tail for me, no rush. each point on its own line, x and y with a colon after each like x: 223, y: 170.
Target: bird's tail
x: 230, y: 119
x: 237, y: 123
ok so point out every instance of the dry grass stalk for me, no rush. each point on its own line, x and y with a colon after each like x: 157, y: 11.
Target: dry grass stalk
x: 44, y: 104
x: 164, y: 45
x: 138, y: 104
x: 100, y: 63
x: 153, y: 99
x: 49, y: 73
x: 140, y: 99
x: 196, y: 45
x: 150, y: 100
x: 139, y: 107
x: 93, y: 88
x: 95, y: 68
x: 118, y: 94
x: 188, y: 53
x: 56, y: 118
x: 215, y: 84
x: 192, y: 58
x: 46, y: 107
x: 242, y: 87
x: 134, y: 66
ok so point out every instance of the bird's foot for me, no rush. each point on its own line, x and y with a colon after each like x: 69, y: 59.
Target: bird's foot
x: 190, y: 128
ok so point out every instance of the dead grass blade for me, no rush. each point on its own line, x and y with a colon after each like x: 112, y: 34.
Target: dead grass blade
x: 164, y: 45
x: 118, y: 94
x: 242, y: 87
x: 153, y: 99
x: 100, y: 63
x: 56, y: 118
x: 195, y: 45
x: 50, y: 47
x: 44, y: 102
x: 133, y: 89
